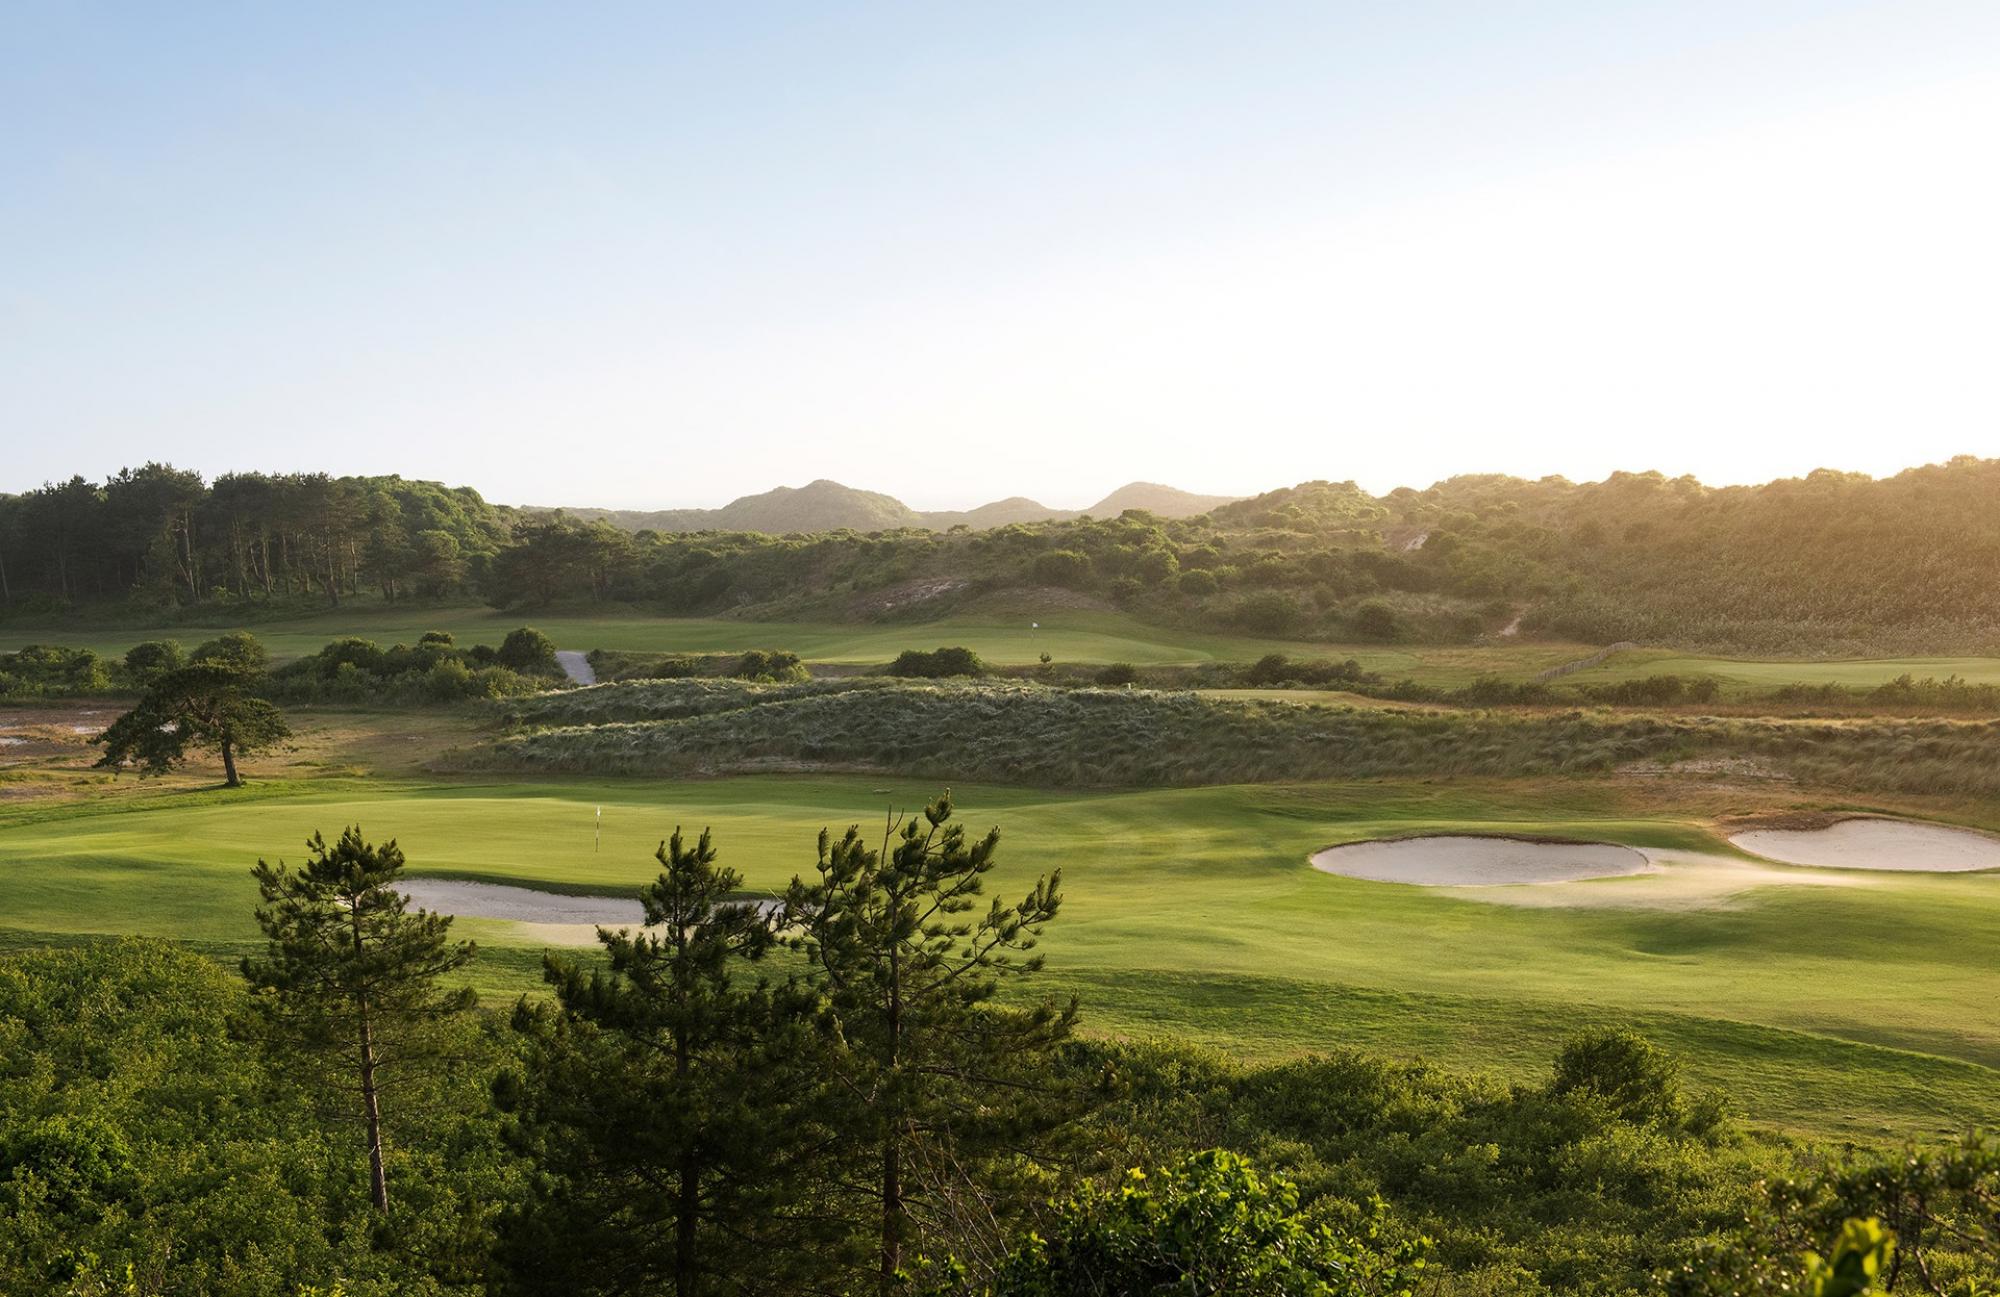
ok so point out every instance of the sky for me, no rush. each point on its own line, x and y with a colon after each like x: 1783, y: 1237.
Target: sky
x: 659, y: 255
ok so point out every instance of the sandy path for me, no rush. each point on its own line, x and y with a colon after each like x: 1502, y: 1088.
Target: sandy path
x: 1891, y: 845
x: 1467, y: 861
x: 576, y: 666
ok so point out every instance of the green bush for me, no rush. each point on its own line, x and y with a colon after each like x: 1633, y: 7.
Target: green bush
x: 1211, y: 1224
x: 529, y: 652
x: 52, y: 671
x: 1064, y: 567
x: 1197, y: 583
x: 938, y: 664
x: 1377, y: 621
x: 148, y: 661
x: 238, y: 650
x: 771, y: 666
x: 1266, y: 612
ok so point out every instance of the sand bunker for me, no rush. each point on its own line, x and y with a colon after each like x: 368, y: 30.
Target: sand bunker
x: 1466, y: 861
x: 1892, y: 845
x: 521, y: 904
x: 563, y: 919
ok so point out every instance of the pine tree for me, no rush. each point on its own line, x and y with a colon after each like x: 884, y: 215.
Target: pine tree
x: 205, y: 705
x: 350, y: 976
x: 931, y: 1082
x: 659, y: 1103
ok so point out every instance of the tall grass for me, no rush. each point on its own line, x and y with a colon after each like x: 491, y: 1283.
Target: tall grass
x: 1023, y: 733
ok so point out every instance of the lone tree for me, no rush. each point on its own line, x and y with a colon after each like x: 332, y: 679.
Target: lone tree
x: 657, y: 1103
x: 927, y: 1078
x: 350, y: 976
x: 207, y: 706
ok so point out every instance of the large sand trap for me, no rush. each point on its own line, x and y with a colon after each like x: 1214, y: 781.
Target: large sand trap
x: 521, y: 904
x: 1465, y: 861
x: 1893, y: 845
x: 555, y: 918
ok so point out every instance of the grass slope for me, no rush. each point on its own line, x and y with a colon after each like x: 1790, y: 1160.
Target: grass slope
x: 1865, y: 1011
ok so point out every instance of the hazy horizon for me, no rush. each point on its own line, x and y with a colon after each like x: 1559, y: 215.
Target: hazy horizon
x: 671, y: 257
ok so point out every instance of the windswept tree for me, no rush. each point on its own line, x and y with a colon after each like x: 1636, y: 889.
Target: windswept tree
x: 207, y: 706
x: 933, y: 1085
x: 350, y: 976
x: 659, y: 1103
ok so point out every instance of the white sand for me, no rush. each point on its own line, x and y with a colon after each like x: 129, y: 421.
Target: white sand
x: 521, y: 904
x: 576, y: 666
x: 1680, y: 880
x: 1892, y: 845
x: 1465, y: 861
x: 555, y: 918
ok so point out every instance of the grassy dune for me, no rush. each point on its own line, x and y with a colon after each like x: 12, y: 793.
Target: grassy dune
x: 1024, y: 733
x: 1862, y: 1010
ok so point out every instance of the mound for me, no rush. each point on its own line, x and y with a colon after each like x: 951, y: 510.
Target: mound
x: 1896, y: 846
x: 1468, y: 861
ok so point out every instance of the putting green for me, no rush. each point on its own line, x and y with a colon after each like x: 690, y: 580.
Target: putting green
x: 1853, y: 1010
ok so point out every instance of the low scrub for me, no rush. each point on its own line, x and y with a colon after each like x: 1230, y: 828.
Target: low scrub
x: 1035, y: 734
x: 430, y: 671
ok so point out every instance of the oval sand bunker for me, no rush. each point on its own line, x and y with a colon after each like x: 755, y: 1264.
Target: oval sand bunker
x: 521, y: 904
x: 1895, y: 845
x: 1466, y: 861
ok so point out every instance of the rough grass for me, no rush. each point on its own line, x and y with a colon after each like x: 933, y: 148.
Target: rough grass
x: 1023, y: 733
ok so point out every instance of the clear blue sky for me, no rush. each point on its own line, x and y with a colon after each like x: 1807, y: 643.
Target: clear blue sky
x: 658, y: 254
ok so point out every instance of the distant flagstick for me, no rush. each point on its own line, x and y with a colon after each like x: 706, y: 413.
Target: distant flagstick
x: 598, y: 838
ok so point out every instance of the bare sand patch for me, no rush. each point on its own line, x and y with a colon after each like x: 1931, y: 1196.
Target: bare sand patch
x: 539, y: 917
x: 1679, y: 880
x: 1469, y: 861
x: 1894, y: 846
x: 521, y: 904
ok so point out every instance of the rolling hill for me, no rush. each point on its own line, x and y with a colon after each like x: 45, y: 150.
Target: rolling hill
x: 830, y: 506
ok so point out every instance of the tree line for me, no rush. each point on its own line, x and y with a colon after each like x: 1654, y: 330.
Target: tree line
x: 1832, y: 562
x: 164, y: 536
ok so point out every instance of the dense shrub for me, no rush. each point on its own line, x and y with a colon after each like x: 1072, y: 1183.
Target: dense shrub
x: 1658, y: 690
x: 529, y: 652
x: 147, y: 661
x: 1266, y: 612
x: 1117, y: 675
x: 1274, y: 669
x: 1211, y: 1224
x: 771, y: 665
x: 1065, y: 567
x: 353, y: 670
x: 1197, y: 583
x: 938, y: 664
x: 44, y: 670
x: 1376, y: 620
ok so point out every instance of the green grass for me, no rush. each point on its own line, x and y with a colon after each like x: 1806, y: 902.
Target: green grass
x: 1068, y: 636
x: 1864, y: 1011
x: 1762, y: 676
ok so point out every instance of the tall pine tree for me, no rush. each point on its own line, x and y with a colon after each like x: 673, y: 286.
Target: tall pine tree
x: 350, y: 976
x: 932, y: 1084
x: 660, y: 1105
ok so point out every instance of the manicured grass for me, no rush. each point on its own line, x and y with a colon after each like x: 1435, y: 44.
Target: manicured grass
x: 1866, y: 1011
x: 1762, y: 676
x: 1068, y: 636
